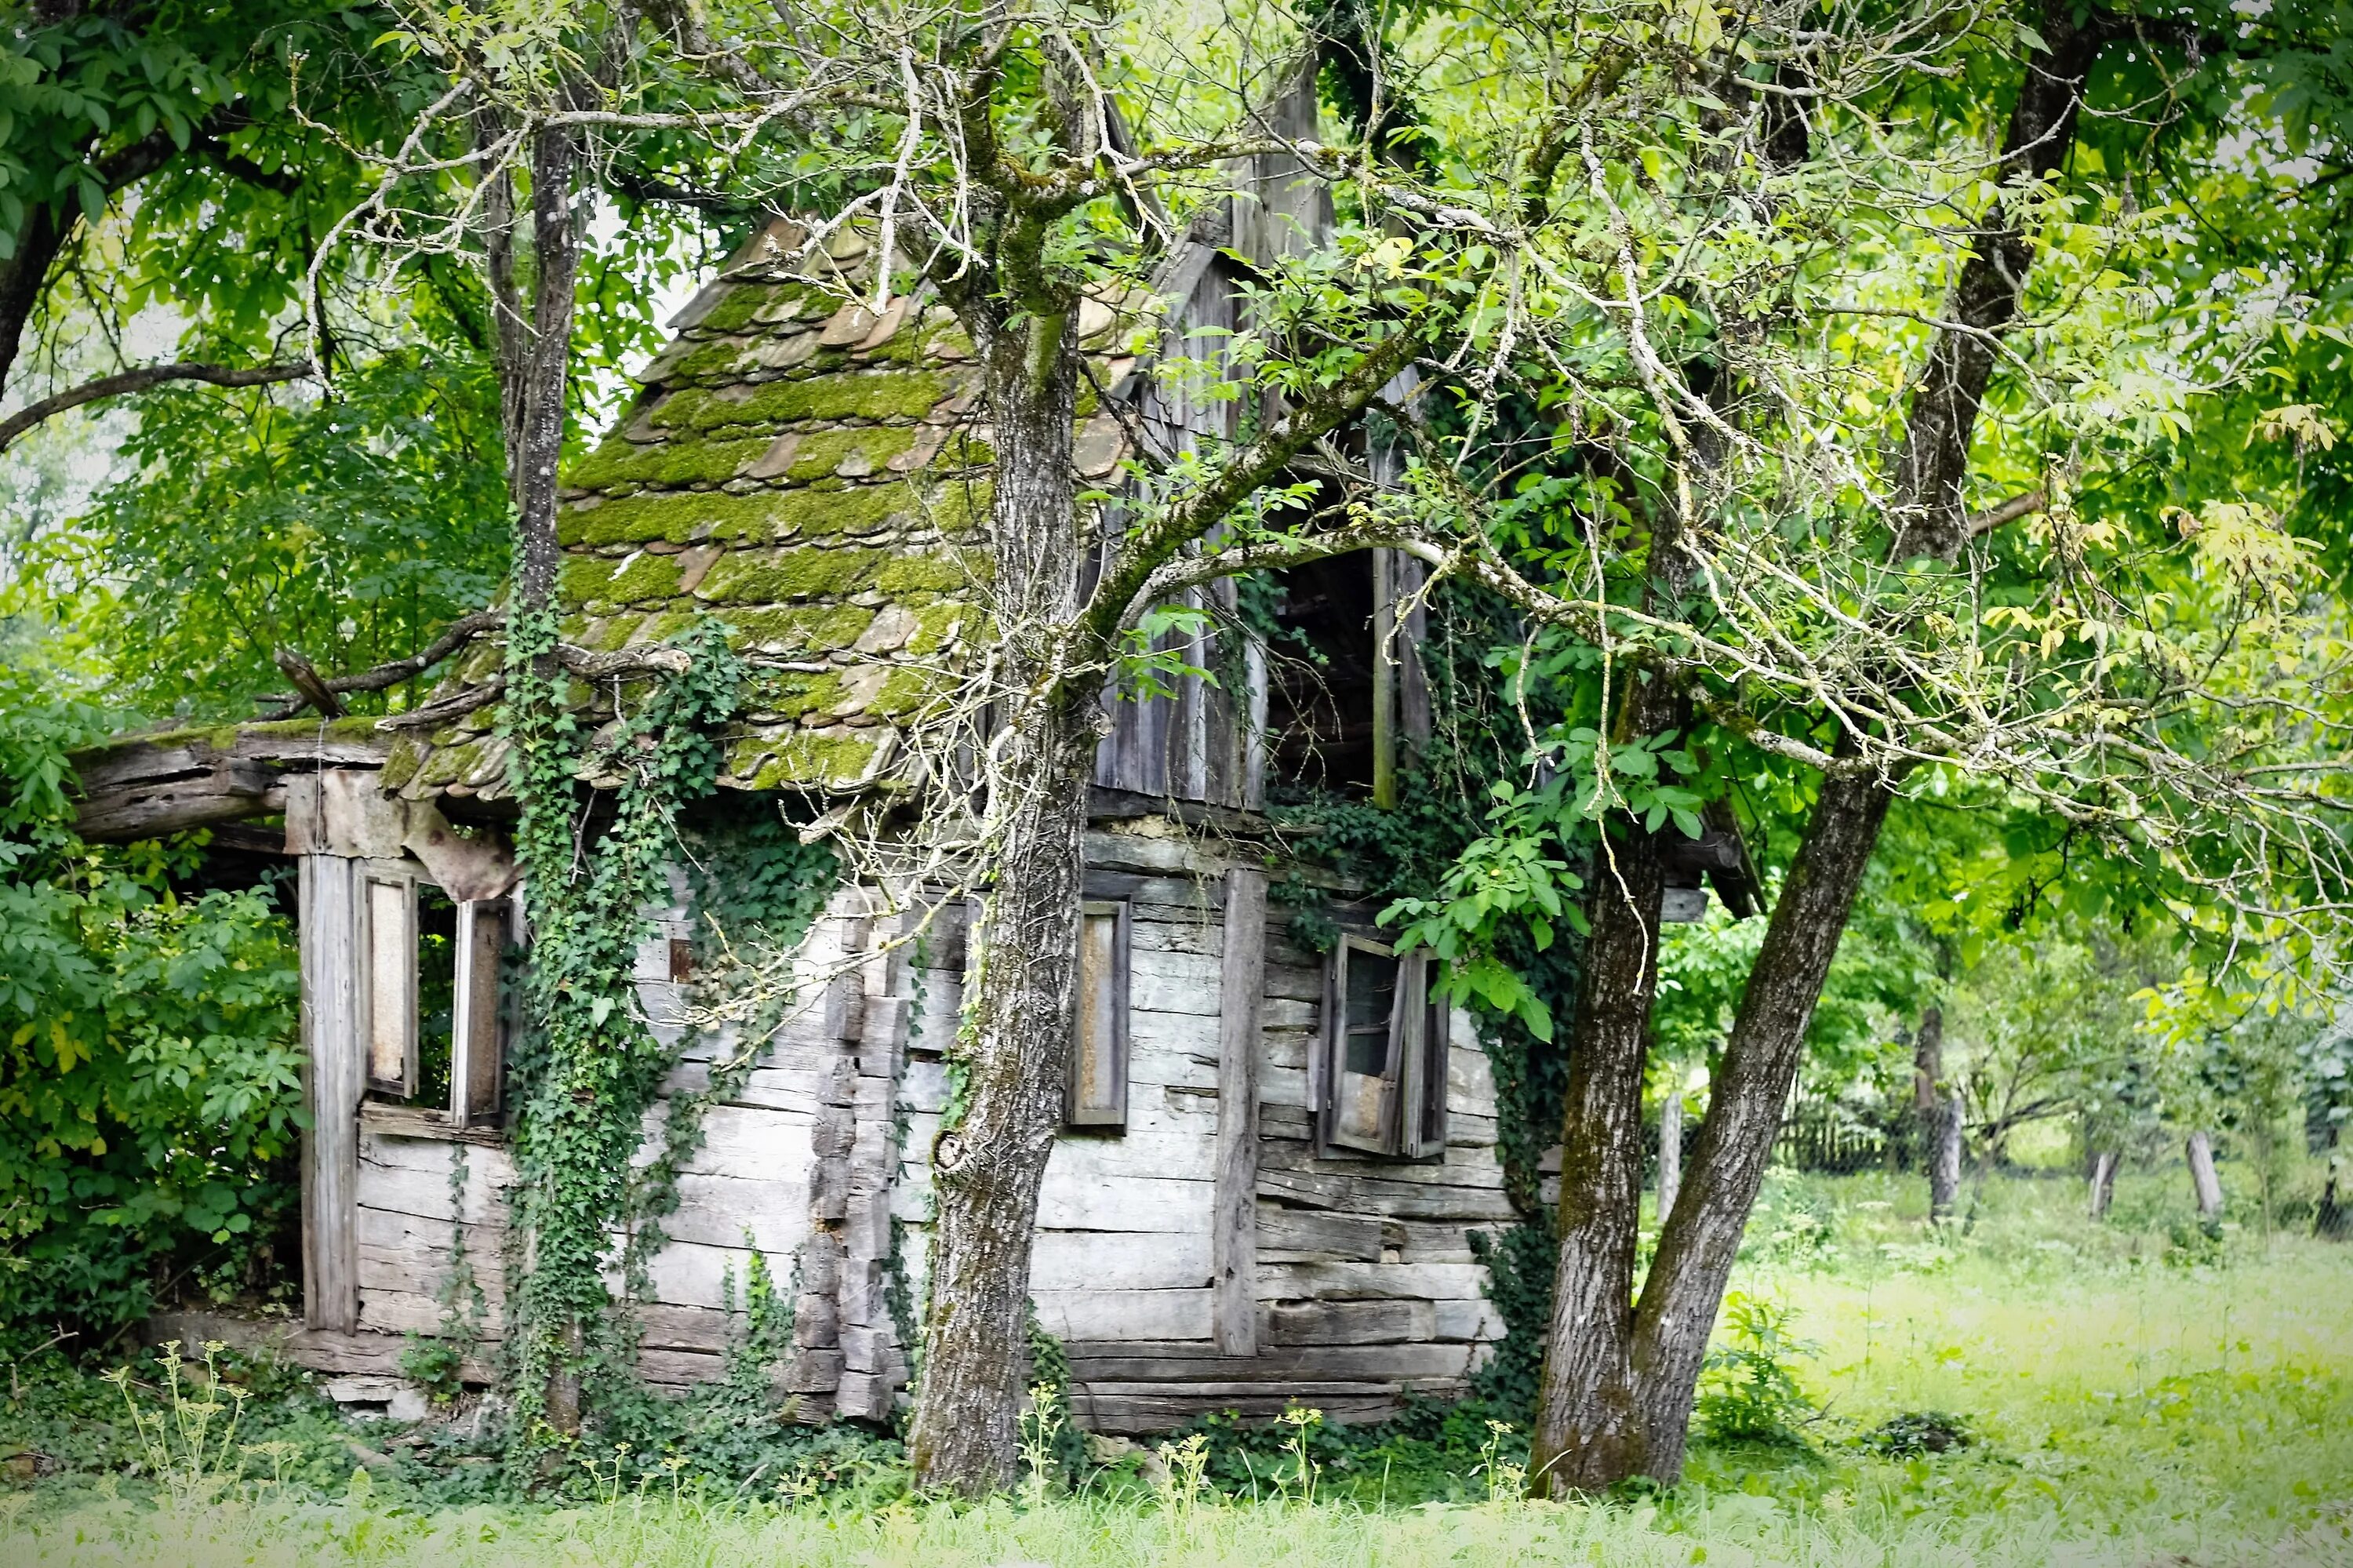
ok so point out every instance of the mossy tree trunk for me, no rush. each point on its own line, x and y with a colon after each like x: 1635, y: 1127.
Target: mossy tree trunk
x: 1622, y: 1406
x: 989, y: 1165
x: 532, y: 349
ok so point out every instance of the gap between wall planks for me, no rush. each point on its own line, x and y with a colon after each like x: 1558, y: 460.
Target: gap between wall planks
x: 1234, y: 1215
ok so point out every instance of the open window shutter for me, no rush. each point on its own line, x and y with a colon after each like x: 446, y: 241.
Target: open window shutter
x: 1363, y: 1047
x: 1424, y: 1131
x: 388, y: 997
x: 1095, y: 1094
x: 477, y: 1035
x: 1410, y: 1029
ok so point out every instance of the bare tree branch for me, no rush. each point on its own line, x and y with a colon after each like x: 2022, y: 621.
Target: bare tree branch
x: 128, y: 381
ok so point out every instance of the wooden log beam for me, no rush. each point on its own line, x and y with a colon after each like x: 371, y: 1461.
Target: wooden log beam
x: 145, y: 786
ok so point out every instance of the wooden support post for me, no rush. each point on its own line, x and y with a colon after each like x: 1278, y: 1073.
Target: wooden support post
x: 1233, y: 1280
x: 334, y: 1075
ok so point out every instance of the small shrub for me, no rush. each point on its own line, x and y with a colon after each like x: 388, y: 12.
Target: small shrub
x: 1749, y: 1394
x: 1917, y: 1432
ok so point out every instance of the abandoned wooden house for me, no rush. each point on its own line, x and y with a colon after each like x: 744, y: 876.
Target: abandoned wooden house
x: 1275, y: 1156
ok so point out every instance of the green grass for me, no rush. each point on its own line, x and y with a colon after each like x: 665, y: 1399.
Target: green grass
x: 2137, y: 1394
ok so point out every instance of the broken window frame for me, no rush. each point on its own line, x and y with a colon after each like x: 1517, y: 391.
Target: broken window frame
x: 1410, y: 1121
x: 388, y: 961
x: 1108, y: 1111
x: 478, y: 1023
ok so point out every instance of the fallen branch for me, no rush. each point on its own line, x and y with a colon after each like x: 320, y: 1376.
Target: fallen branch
x: 115, y: 385
x: 455, y: 706
x: 315, y: 691
x: 454, y: 636
x: 324, y: 693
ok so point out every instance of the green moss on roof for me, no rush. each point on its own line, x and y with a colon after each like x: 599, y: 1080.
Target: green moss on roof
x: 401, y: 766
x: 678, y: 518
x: 889, y: 395
x: 812, y: 628
x: 744, y: 300
x: 619, y: 462
x: 921, y: 573
x: 633, y: 580
x: 791, y: 694
x: 610, y: 633
x: 830, y: 758
x: 773, y: 577
x: 663, y: 625
x: 448, y: 764
x: 906, y: 690
x: 822, y: 451
x: 937, y: 626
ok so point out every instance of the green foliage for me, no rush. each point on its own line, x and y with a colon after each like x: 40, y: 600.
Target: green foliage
x: 197, y: 106
x: 1748, y: 1391
x: 1916, y: 1432
x: 349, y: 528
x: 436, y: 1362
x: 1055, y: 1429
x: 1521, y: 1260
x: 149, y: 1069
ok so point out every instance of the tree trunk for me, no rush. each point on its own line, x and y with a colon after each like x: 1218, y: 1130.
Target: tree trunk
x: 1588, y: 1431
x: 988, y: 1167
x: 1611, y: 1429
x: 1933, y: 468
x: 1670, y: 1152
x: 1945, y: 1167
x: 2334, y: 1218
x: 1927, y: 1072
x: 547, y: 367
x: 537, y: 383
x: 2103, y: 1182
x: 1700, y: 1239
x: 24, y: 277
x: 2202, y: 1179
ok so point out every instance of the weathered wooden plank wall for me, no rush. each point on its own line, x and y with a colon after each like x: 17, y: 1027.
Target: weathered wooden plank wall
x: 1356, y: 1273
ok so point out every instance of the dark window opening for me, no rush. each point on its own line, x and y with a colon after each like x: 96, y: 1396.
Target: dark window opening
x: 1319, y: 709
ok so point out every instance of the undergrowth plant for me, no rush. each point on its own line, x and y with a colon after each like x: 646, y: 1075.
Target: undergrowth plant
x: 1749, y: 1392
x: 189, y: 1436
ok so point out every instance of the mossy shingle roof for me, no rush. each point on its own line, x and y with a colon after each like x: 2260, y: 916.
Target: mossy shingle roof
x: 811, y: 473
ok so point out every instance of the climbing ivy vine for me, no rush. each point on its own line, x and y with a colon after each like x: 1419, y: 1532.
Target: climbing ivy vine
x: 587, y: 1069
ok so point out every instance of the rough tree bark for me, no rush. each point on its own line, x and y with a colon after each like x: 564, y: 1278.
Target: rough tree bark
x: 988, y: 1166
x: 1670, y: 1152
x: 1927, y: 1072
x: 1587, y: 1431
x: 534, y: 381
x: 544, y: 365
x: 2203, y: 1181
x: 2103, y: 1182
x: 1699, y: 1240
x: 1945, y: 1166
x: 1592, y: 1430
